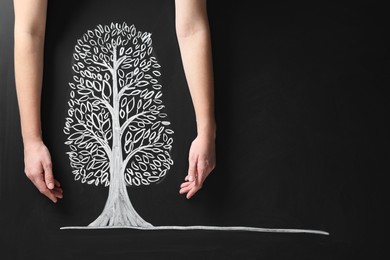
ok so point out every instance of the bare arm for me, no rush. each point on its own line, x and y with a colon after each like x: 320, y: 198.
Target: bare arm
x: 193, y: 34
x: 194, y: 41
x: 30, y: 19
x: 29, y: 34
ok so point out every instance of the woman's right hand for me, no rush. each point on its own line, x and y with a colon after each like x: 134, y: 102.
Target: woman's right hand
x: 38, y: 168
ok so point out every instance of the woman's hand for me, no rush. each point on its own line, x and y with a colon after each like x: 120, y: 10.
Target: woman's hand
x: 201, y: 163
x: 38, y: 168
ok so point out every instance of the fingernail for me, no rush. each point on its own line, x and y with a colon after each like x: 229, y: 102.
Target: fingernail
x: 51, y: 185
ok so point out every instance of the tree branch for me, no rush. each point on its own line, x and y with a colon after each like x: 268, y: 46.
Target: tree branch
x: 128, y: 157
x: 120, y: 60
x: 127, y: 87
x: 103, y: 64
x: 107, y: 105
x: 131, y: 119
x: 105, y: 145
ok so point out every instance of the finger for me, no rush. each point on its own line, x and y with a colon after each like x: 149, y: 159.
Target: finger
x: 57, y: 183
x: 41, y: 185
x: 49, y: 179
x: 57, y: 193
x: 185, y: 184
x: 58, y: 189
x: 192, y: 191
x: 185, y: 189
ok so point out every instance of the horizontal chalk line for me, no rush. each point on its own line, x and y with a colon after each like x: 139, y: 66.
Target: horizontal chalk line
x: 239, y: 228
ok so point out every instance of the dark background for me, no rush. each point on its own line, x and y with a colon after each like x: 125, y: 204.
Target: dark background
x: 302, y: 142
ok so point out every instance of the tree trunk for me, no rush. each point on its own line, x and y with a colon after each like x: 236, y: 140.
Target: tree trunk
x: 118, y: 210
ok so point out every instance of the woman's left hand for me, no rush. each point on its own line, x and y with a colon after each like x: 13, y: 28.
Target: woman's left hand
x: 201, y: 162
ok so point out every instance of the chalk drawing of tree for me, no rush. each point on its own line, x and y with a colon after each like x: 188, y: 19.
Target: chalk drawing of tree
x: 116, y: 128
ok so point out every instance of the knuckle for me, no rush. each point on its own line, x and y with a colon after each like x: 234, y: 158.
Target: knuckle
x: 33, y: 174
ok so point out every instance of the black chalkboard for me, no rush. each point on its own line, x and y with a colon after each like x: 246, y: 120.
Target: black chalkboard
x: 301, y: 141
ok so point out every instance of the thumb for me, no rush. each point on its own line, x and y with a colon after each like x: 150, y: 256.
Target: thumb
x: 191, y: 170
x: 48, y: 174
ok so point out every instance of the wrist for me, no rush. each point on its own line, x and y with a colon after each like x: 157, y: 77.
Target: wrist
x: 31, y: 141
x: 31, y: 133
x: 208, y: 129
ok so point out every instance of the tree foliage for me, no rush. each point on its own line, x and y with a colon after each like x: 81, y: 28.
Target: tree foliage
x: 115, y: 77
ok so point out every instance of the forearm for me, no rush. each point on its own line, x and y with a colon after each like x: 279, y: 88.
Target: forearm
x: 193, y: 34
x: 28, y: 79
x: 29, y: 33
x: 196, y: 55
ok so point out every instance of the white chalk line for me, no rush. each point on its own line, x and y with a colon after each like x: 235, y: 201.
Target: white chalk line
x: 239, y: 228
